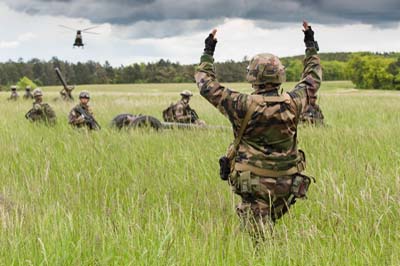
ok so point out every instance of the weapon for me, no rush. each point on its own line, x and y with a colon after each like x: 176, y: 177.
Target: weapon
x: 173, y: 125
x: 66, y: 92
x: 194, y: 116
x: 91, y: 122
x: 29, y: 113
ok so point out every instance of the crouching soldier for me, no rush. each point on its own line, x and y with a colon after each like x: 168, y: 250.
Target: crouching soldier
x: 14, y: 94
x: 82, y: 115
x: 41, y: 112
x: 181, y: 112
x: 28, y: 94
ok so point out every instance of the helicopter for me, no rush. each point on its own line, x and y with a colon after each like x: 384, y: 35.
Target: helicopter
x: 78, y: 38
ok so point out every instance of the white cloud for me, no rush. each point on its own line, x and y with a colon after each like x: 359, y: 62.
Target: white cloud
x: 12, y: 44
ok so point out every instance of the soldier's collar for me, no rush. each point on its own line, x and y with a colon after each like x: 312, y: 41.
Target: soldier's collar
x: 266, y: 90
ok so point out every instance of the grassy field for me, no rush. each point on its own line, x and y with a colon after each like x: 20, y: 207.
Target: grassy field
x: 154, y: 198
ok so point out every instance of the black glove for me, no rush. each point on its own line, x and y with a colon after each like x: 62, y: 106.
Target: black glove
x: 309, y: 39
x: 210, y: 44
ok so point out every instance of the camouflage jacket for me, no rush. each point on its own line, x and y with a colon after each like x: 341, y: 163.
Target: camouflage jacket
x: 75, y: 118
x: 13, y: 97
x: 41, y: 112
x: 313, y: 115
x: 28, y: 95
x: 270, y: 139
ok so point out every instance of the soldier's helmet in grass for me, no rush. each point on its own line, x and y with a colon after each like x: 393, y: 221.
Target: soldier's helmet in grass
x: 186, y: 93
x: 265, y: 69
x: 37, y: 92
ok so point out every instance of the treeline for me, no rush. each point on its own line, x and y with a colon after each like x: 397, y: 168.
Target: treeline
x: 375, y: 72
x: 366, y: 70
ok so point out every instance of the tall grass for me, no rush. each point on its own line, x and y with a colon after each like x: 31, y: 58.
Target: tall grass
x: 68, y: 197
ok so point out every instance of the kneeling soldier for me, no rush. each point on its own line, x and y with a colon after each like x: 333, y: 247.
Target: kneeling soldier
x: 41, y: 112
x: 181, y: 112
x: 82, y: 115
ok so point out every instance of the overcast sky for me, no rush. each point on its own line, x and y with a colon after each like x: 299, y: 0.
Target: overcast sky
x: 147, y: 30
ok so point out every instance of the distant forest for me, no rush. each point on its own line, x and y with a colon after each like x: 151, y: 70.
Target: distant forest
x: 366, y: 70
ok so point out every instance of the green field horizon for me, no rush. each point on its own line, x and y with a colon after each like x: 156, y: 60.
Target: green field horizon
x: 142, y: 197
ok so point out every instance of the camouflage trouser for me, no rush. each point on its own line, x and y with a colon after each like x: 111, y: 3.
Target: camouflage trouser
x: 266, y: 199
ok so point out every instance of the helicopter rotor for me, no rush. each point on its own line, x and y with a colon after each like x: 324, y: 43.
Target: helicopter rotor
x: 66, y: 27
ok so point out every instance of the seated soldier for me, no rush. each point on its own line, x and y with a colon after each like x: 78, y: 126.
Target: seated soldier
x: 181, y: 112
x: 313, y: 113
x: 41, y: 112
x: 14, y: 94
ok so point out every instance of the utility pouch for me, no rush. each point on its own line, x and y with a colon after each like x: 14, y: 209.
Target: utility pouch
x: 300, y: 184
x: 224, y: 168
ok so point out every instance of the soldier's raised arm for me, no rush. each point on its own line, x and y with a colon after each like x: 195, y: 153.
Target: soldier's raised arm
x: 312, y: 73
x: 230, y: 103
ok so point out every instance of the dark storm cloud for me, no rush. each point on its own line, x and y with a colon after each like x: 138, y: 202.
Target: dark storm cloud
x: 128, y: 12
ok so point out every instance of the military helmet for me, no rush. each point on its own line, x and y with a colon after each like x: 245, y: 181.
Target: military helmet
x: 264, y: 69
x: 28, y: 88
x: 37, y: 92
x: 186, y: 93
x: 84, y: 94
x: 13, y: 88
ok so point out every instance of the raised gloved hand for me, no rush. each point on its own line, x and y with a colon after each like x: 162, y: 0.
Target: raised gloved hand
x: 309, y: 36
x: 210, y: 43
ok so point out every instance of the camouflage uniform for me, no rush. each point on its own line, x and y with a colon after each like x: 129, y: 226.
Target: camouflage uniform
x: 266, y: 169
x: 181, y: 112
x: 41, y: 112
x: 313, y: 114
x: 76, y: 119
x: 28, y: 95
x: 14, y: 94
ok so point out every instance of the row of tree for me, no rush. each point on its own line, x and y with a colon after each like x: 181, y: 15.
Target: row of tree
x: 375, y: 72
x: 366, y: 70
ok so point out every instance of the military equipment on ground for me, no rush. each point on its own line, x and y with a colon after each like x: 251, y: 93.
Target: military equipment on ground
x: 130, y: 121
x: 78, y: 38
x: 135, y: 121
x: 66, y: 92
x: 89, y: 119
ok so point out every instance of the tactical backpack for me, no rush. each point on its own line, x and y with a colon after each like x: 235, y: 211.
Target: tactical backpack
x: 169, y: 113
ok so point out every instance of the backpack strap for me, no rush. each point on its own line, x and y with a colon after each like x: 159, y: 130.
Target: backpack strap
x: 243, y: 127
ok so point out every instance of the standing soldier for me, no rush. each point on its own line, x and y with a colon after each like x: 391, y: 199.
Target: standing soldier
x: 14, y: 94
x: 181, y: 112
x: 28, y: 95
x: 41, y: 112
x: 263, y: 165
x: 81, y: 115
x: 313, y: 114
